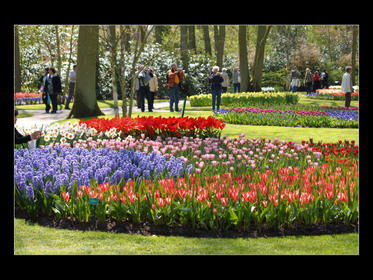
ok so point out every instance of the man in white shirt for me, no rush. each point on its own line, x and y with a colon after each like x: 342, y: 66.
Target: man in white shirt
x: 72, y: 81
x: 346, y: 86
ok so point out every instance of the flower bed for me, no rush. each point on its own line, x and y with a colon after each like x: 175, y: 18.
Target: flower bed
x: 234, y: 183
x: 247, y: 98
x: 154, y: 126
x: 21, y: 98
x: 42, y: 173
x: 331, y: 117
x: 332, y: 94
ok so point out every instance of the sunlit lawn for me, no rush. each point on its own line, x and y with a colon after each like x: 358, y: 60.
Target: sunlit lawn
x: 32, y: 239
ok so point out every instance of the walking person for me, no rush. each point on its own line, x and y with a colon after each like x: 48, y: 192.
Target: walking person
x: 142, y: 86
x: 216, y: 80
x: 225, y: 83
x: 308, y: 81
x: 53, y: 88
x: 236, y: 80
x: 72, y: 81
x: 316, y: 81
x: 294, y: 79
x: 153, y: 86
x: 346, y: 86
x: 45, y: 96
x: 174, y: 78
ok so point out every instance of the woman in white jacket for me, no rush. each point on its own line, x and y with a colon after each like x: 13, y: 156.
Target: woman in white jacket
x: 346, y: 86
x: 153, y: 86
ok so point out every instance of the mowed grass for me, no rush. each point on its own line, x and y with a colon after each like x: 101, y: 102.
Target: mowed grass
x: 32, y: 239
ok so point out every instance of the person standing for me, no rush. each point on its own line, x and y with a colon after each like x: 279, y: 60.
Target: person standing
x: 174, y: 78
x: 316, y: 81
x: 294, y: 79
x: 72, y: 81
x: 236, y: 80
x: 142, y: 86
x: 225, y: 84
x: 324, y: 79
x: 346, y: 86
x: 45, y: 96
x: 53, y: 88
x: 308, y: 80
x: 216, y: 80
x: 153, y: 86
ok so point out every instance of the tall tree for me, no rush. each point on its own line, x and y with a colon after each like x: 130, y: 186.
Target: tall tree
x: 113, y: 64
x: 158, y: 33
x: 192, y: 38
x: 263, y: 32
x: 219, y: 35
x: 206, y: 38
x: 17, y: 61
x: 184, y: 46
x: 244, y: 67
x: 85, y: 102
x: 355, y: 31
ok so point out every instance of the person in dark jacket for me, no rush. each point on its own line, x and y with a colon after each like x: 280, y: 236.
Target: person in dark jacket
x: 45, y: 96
x: 53, y: 88
x: 215, y: 80
x: 19, y: 138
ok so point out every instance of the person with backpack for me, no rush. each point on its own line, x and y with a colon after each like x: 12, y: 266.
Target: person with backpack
x: 215, y: 80
x: 173, y: 82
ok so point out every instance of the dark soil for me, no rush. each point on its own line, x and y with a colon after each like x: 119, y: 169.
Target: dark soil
x: 147, y: 228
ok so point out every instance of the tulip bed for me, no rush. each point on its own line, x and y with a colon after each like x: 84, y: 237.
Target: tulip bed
x: 248, y: 98
x: 21, y: 98
x: 332, y: 94
x: 203, y: 182
x: 293, y: 116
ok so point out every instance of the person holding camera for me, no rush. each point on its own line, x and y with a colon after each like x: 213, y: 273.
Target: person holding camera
x: 142, y: 87
x: 19, y: 138
x: 174, y: 77
x: 215, y: 80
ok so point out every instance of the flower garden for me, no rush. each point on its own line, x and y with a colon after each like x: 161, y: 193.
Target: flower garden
x: 21, y: 98
x: 181, y: 172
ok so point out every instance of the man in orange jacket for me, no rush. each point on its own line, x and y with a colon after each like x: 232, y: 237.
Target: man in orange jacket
x: 174, y: 81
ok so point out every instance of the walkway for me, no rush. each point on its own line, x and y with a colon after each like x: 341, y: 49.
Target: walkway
x: 41, y: 118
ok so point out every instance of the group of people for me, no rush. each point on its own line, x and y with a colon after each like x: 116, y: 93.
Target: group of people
x: 312, y: 82
x: 316, y: 81
x: 51, y: 88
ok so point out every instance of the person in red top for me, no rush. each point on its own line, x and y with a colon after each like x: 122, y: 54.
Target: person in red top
x: 175, y: 75
x: 316, y: 81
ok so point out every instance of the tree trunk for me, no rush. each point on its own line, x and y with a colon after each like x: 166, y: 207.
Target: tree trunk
x: 219, y: 35
x: 85, y: 102
x: 17, y: 62
x: 244, y: 67
x: 113, y: 63
x: 184, y: 46
x: 355, y: 32
x: 158, y: 33
x: 263, y: 32
x: 66, y: 87
x: 192, y: 38
x: 206, y: 38
x: 122, y: 80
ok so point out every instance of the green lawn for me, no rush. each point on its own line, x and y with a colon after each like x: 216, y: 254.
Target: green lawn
x: 32, y: 239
